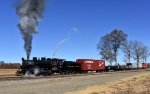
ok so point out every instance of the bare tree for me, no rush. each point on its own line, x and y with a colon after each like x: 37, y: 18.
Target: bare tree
x: 4, y: 65
x: 1, y: 64
x: 145, y: 53
x: 105, y: 49
x: 137, y: 51
x: 118, y: 38
x: 127, y: 49
x: 110, y: 44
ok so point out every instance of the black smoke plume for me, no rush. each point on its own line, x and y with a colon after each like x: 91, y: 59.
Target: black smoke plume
x: 30, y: 13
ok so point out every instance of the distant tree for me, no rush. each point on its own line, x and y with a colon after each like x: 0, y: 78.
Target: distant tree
x: 127, y: 49
x: 4, y: 65
x: 110, y: 44
x: 145, y: 53
x: 118, y: 38
x: 137, y: 51
x: 1, y: 64
x: 105, y: 49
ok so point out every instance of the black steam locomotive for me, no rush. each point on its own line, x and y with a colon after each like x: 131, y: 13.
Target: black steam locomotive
x: 48, y: 66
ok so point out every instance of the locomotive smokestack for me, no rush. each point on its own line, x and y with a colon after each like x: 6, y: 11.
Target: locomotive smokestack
x: 28, y: 58
x: 30, y: 13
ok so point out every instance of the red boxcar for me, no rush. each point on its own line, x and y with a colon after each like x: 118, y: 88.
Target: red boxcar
x: 91, y: 65
x: 144, y: 65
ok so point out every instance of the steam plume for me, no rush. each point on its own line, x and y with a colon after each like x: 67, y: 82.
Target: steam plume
x: 59, y: 45
x: 63, y: 41
x: 30, y: 12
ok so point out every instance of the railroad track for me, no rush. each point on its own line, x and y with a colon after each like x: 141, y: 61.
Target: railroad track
x: 44, y: 77
x: 10, y: 78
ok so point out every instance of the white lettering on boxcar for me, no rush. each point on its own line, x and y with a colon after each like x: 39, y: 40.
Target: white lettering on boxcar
x: 89, y: 61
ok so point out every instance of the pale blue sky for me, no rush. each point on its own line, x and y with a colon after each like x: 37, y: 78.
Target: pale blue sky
x: 91, y: 18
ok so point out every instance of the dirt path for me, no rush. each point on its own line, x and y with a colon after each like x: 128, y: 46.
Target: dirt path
x: 61, y: 85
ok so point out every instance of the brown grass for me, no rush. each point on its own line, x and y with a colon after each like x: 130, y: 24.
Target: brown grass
x: 94, y: 93
x: 133, y: 85
x: 130, y: 90
x: 136, y: 85
x: 7, y: 72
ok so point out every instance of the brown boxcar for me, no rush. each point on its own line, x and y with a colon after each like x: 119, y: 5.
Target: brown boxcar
x: 144, y: 65
x: 91, y: 64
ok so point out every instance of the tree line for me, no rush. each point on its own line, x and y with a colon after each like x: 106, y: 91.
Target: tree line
x: 4, y: 65
x: 110, y: 44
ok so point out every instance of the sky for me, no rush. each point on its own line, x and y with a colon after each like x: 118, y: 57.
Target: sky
x: 74, y: 25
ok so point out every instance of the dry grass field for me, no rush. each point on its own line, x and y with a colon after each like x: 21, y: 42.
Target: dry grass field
x: 139, y: 84
x: 7, y: 73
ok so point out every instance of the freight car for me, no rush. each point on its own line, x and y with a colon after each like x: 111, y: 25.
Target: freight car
x: 48, y: 66
x: 91, y: 65
x: 128, y: 66
x: 113, y: 68
x: 131, y: 66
